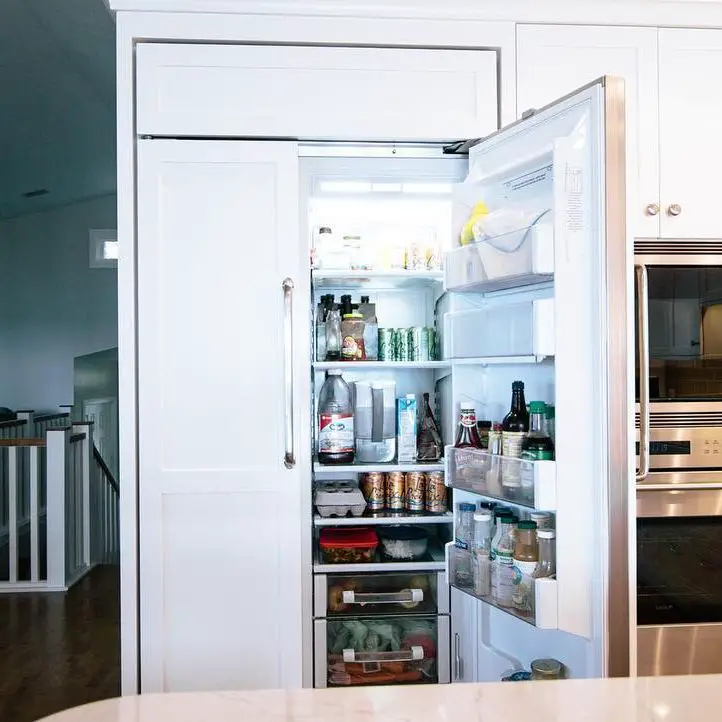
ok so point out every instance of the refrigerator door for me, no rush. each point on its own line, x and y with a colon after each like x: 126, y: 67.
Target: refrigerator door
x: 563, y: 169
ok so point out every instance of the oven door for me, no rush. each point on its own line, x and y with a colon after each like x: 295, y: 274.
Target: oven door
x: 679, y: 579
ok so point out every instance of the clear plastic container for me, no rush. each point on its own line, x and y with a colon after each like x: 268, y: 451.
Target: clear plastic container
x: 336, y: 442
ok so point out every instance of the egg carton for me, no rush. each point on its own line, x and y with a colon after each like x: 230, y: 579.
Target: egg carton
x: 338, y: 498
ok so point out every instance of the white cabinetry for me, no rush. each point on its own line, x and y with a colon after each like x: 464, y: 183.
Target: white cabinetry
x: 552, y: 60
x: 315, y: 92
x: 464, y: 636
x: 690, y: 106
x: 220, y: 514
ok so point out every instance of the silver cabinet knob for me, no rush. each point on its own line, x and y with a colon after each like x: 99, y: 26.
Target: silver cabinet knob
x: 651, y: 209
x: 674, y: 210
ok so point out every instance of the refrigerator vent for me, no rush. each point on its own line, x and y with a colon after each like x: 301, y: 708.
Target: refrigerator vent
x: 660, y: 247
x: 666, y: 420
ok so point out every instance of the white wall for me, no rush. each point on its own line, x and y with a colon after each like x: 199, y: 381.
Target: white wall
x: 55, y: 307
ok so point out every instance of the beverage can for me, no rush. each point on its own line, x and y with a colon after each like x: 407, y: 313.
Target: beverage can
x: 386, y: 344
x: 415, y: 335
x: 374, y: 490
x: 424, y: 351
x: 435, y: 493
x: 395, y: 490
x: 415, y: 490
x: 415, y: 257
x: 431, y: 343
x: 402, y: 345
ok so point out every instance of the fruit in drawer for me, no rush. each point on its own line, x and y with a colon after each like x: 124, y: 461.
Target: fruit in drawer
x: 409, y: 605
x: 335, y: 595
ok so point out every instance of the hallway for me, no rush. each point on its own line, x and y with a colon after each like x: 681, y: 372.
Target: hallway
x: 60, y: 650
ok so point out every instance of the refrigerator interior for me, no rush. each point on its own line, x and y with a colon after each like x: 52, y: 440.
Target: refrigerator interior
x: 494, y: 324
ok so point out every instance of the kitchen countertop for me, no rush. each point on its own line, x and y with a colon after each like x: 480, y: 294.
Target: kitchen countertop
x: 651, y: 699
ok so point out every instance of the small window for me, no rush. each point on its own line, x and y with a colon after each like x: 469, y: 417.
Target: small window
x: 103, y: 248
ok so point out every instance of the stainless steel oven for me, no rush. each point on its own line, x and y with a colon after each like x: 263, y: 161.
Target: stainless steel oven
x: 679, y: 574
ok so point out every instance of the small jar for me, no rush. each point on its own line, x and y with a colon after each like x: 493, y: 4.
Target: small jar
x: 546, y: 669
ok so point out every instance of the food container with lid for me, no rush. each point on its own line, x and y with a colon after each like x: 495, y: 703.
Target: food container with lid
x: 403, y: 543
x: 338, y: 498
x: 348, y: 546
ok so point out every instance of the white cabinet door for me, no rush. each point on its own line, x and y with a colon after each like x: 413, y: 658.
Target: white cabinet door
x: 315, y: 92
x: 554, y: 60
x: 464, y: 636
x: 690, y: 107
x: 220, y: 518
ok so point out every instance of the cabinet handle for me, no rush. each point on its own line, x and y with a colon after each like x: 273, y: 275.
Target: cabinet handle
x: 415, y: 654
x: 640, y: 273
x: 651, y: 209
x: 404, y: 596
x: 457, y: 656
x: 674, y: 210
x: 289, y: 458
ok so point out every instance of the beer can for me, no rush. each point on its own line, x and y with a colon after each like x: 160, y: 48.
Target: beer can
x: 415, y: 335
x: 395, y: 490
x: 415, y: 490
x: 431, y: 343
x: 435, y: 493
x: 374, y: 490
x: 386, y: 344
x: 401, y: 339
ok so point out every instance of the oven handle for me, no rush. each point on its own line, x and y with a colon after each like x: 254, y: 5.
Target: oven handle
x: 679, y: 487
x: 640, y: 274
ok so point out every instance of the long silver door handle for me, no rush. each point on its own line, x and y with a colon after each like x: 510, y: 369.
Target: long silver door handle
x: 457, y: 656
x: 640, y: 273
x: 289, y: 457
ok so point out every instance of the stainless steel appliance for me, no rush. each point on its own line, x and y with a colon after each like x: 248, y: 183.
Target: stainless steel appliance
x: 679, y: 575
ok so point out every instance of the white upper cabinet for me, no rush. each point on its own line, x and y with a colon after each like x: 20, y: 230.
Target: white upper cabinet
x: 554, y: 60
x: 338, y: 93
x: 220, y: 514
x: 690, y: 107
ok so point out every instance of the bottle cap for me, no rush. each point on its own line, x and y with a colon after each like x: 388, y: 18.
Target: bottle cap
x: 546, y: 533
x: 353, y: 315
x: 467, y: 506
x: 507, y: 519
x: 537, y: 407
x: 517, y: 385
x: 549, y: 411
x: 526, y: 524
x: 467, y: 406
x: 482, y: 516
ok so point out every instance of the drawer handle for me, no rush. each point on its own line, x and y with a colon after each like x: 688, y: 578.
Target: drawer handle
x: 403, y: 655
x: 405, y: 596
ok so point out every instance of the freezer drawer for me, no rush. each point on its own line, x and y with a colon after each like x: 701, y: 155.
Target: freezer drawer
x: 371, y: 595
x: 382, y: 650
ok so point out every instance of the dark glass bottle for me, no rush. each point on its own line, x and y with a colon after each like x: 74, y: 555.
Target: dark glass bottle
x: 518, y: 417
x: 537, y: 445
x: 429, y: 446
x: 467, y: 435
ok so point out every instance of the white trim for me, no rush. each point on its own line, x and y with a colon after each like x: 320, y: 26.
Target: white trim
x: 97, y: 240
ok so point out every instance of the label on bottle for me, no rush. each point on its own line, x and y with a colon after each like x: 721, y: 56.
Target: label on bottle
x: 502, y: 578
x: 537, y: 455
x: 511, y: 442
x: 468, y: 418
x: 335, y: 433
x: 523, y: 581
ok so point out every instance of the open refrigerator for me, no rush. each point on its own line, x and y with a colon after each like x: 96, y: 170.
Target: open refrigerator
x: 546, y: 301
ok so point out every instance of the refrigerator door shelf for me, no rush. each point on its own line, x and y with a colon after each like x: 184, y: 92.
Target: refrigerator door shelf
x: 519, y: 258
x: 531, y: 484
x: 510, y: 331
x: 380, y: 280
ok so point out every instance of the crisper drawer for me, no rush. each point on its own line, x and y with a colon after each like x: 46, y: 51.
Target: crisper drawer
x: 304, y: 92
x: 371, y: 595
x: 382, y: 650
x: 501, y: 330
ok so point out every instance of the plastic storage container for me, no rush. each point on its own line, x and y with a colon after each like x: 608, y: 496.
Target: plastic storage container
x: 403, y: 543
x: 348, y: 546
x: 338, y: 498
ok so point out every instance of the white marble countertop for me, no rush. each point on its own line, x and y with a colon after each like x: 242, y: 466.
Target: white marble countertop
x: 653, y: 699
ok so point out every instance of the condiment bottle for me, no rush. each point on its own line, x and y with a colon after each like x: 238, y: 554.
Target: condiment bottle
x: 481, y: 553
x: 502, y: 562
x: 526, y: 557
x: 333, y: 335
x: 462, y: 544
x: 467, y: 435
x: 546, y: 566
x: 514, y: 429
x: 429, y: 446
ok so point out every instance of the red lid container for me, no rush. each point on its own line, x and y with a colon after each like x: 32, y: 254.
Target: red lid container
x: 348, y: 538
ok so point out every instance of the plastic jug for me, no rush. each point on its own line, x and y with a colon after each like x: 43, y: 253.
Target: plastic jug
x: 375, y: 421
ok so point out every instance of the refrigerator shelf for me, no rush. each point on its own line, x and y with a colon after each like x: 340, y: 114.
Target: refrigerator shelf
x: 497, y: 360
x: 436, y: 562
x: 545, y: 604
x: 386, y: 519
x: 364, y: 468
x: 533, y: 483
x: 330, y: 278
x: 354, y: 366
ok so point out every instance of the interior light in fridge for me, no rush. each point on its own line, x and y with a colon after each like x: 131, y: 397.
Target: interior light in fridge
x: 427, y: 188
x: 345, y: 187
x: 387, y: 187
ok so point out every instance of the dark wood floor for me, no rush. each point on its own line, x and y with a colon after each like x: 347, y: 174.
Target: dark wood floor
x: 60, y: 650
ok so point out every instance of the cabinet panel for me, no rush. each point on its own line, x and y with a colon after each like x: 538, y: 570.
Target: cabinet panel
x: 464, y: 637
x: 554, y: 60
x: 315, y: 92
x: 217, y: 234
x: 690, y: 104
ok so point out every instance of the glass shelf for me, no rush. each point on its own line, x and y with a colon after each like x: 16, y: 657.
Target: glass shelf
x: 397, y: 278
x: 384, y: 518
x: 365, y: 468
x: 434, y: 561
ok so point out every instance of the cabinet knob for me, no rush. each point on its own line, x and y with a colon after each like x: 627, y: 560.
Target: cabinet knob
x: 651, y: 209
x: 674, y: 210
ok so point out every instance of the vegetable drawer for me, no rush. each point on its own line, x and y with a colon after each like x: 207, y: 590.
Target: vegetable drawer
x: 371, y: 595
x: 381, y: 650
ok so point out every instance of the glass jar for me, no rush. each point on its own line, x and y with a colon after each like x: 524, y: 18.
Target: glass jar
x: 546, y: 669
x: 546, y: 566
x: 463, y: 538
x: 526, y: 557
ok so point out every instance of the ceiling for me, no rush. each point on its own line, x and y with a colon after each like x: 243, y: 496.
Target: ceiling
x: 57, y: 103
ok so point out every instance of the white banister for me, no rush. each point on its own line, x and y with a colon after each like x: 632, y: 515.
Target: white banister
x: 34, y: 512
x: 56, y: 468
x: 13, y: 513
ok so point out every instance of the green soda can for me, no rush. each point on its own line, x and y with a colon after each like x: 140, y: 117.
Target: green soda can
x: 415, y: 336
x: 386, y: 344
x: 431, y: 343
x: 424, y: 354
x: 401, y: 338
